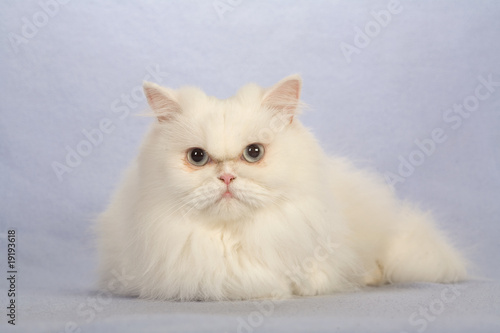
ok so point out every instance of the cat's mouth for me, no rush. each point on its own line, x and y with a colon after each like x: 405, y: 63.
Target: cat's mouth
x: 228, y: 201
x: 227, y: 195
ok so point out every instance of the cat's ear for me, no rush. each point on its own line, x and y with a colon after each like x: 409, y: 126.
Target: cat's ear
x: 161, y: 100
x: 284, y: 96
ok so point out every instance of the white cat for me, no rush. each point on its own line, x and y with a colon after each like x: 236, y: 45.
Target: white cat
x: 234, y: 199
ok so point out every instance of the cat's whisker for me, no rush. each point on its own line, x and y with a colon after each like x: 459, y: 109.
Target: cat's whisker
x: 169, y: 213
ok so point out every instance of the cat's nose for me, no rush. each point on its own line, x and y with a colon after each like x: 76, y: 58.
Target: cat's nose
x: 226, y: 178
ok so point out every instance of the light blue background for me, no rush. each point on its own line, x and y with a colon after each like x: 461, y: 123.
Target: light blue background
x: 70, y: 73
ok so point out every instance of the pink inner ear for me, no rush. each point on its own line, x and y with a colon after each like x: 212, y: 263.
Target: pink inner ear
x: 294, y: 88
x: 284, y: 92
x: 284, y: 96
x: 160, y: 102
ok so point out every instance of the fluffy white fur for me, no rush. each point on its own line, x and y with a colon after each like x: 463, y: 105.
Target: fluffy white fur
x: 298, y: 222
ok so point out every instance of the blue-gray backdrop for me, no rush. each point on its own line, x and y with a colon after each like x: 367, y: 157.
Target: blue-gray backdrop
x: 408, y: 88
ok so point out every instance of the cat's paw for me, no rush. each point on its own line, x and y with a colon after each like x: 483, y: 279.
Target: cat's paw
x: 375, y: 277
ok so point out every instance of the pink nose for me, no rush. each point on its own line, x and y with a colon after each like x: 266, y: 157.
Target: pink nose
x: 226, y: 178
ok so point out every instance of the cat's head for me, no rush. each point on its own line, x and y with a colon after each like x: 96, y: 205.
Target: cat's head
x: 226, y: 158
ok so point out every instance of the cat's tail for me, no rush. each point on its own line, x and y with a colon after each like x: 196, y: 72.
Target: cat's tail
x: 420, y: 252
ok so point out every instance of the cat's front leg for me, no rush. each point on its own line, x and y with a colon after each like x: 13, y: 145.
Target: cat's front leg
x: 375, y: 276
x: 319, y: 278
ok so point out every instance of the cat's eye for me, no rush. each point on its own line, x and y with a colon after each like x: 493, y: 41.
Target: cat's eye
x: 253, y: 152
x: 197, y: 156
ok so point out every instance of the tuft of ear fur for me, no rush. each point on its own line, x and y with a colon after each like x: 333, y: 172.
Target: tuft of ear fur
x: 161, y: 100
x: 284, y: 96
